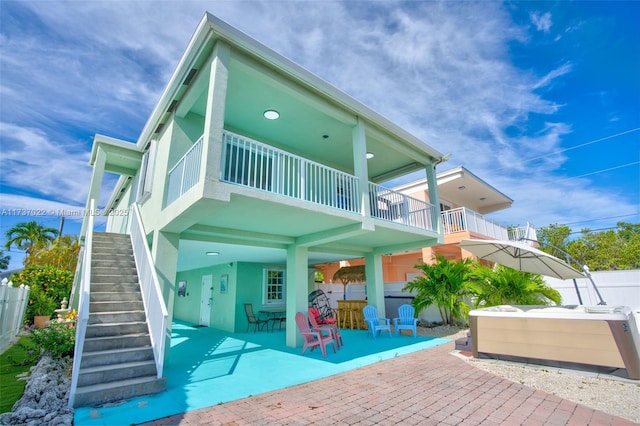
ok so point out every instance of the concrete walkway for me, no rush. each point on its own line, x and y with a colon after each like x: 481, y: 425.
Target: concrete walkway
x: 429, y: 387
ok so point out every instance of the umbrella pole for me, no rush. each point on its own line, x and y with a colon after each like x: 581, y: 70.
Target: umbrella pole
x: 586, y: 271
x: 575, y: 284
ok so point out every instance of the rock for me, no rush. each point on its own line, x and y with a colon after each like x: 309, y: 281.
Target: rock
x: 45, y: 397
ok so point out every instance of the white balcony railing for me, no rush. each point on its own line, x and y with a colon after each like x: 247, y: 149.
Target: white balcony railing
x: 526, y: 233
x: 185, y: 174
x: 463, y: 219
x: 395, y: 206
x: 259, y: 166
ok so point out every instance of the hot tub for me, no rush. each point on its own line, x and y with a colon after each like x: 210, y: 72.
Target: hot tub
x: 596, y: 338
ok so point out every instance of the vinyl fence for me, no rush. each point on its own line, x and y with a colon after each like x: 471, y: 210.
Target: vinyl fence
x: 13, y: 304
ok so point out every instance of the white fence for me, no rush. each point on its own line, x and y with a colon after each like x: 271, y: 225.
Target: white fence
x: 616, y: 288
x: 13, y: 304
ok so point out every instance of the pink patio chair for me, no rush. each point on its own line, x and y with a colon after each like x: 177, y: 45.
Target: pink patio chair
x: 317, y: 323
x: 313, y: 338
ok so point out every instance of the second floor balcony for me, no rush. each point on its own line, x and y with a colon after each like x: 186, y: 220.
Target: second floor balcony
x: 262, y: 167
x: 465, y: 220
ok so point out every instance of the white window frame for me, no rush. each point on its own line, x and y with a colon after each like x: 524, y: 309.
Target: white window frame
x: 145, y: 179
x: 266, y: 284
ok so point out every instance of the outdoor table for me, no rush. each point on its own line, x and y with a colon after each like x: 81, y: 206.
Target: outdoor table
x: 350, y: 312
x: 275, y: 314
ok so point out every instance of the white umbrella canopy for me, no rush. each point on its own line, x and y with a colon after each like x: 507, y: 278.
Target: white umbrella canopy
x: 521, y: 257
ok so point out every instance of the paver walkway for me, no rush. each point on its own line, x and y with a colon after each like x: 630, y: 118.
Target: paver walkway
x: 429, y: 387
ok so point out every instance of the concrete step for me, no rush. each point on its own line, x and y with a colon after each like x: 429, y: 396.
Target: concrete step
x: 105, y: 343
x: 116, y: 306
x: 116, y: 372
x: 115, y: 296
x: 116, y: 329
x: 94, y: 395
x: 116, y: 317
x: 113, y: 279
x: 111, y: 262
x: 115, y: 356
x: 98, y: 271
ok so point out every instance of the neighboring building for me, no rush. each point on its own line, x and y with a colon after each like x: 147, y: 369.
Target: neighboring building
x: 464, y: 199
x: 250, y: 171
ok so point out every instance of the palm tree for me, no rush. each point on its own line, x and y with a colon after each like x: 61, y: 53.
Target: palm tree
x: 26, y: 235
x: 502, y: 286
x: 445, y: 284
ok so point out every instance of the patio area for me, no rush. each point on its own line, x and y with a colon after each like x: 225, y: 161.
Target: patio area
x: 208, y: 367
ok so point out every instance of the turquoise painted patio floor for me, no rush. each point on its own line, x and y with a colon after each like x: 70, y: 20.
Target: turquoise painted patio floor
x: 210, y: 366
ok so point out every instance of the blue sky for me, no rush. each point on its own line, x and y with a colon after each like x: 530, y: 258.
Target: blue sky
x: 540, y: 99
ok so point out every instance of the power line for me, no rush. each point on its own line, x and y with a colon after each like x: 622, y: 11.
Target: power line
x: 583, y: 144
x: 602, y: 218
x: 599, y: 171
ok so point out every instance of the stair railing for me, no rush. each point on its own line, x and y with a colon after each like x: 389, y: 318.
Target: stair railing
x: 154, y: 306
x: 82, y: 291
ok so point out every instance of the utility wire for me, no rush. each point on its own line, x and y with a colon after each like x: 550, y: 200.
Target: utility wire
x: 583, y: 144
x: 599, y: 171
x: 602, y: 218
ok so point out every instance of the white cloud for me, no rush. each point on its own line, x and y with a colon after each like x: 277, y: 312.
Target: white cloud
x: 542, y: 22
x: 442, y: 70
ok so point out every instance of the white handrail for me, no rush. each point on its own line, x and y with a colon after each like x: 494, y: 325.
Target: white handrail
x: 154, y: 305
x: 463, y: 219
x: 185, y: 174
x: 84, y: 291
x: 395, y: 206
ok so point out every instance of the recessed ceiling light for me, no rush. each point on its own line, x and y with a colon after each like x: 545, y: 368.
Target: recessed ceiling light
x: 370, y: 155
x: 462, y: 187
x: 483, y: 198
x: 325, y: 136
x: 271, y: 114
x: 212, y: 253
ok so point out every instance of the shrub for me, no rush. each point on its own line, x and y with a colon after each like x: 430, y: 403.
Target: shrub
x: 57, y: 340
x: 48, y: 284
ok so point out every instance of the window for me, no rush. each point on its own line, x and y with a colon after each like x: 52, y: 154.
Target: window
x: 145, y: 176
x: 274, y: 288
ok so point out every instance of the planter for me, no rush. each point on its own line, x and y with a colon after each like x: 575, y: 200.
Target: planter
x: 40, y: 321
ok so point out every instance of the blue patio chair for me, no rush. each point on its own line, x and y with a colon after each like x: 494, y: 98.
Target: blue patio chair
x: 405, y: 320
x: 375, y: 324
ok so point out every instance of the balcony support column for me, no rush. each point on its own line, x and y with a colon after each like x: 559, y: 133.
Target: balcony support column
x: 297, y: 290
x: 97, y: 174
x: 164, y: 251
x: 375, y: 282
x: 214, y: 116
x: 434, y: 200
x: 359, y: 142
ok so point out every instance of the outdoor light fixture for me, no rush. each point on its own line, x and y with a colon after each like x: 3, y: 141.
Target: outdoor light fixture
x: 370, y: 155
x: 271, y: 114
x: 212, y: 253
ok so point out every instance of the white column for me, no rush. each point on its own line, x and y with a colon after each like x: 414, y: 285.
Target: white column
x: 214, y: 116
x: 95, y: 186
x: 164, y: 252
x: 375, y: 282
x: 434, y: 199
x: 361, y: 171
x: 297, y: 290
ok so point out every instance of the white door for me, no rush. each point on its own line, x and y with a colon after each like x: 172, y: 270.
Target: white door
x: 206, y: 299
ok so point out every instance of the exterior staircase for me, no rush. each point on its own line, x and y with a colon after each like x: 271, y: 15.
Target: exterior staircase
x: 117, y: 360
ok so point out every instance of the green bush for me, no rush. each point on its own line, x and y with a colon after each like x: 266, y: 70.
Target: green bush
x: 48, y: 284
x: 56, y: 340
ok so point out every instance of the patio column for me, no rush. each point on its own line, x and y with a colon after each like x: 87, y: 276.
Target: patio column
x: 96, y: 184
x: 164, y: 252
x: 297, y: 290
x: 361, y: 171
x: 434, y: 200
x: 375, y: 282
x: 214, y: 115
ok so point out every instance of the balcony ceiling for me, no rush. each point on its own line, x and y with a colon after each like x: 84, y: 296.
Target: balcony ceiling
x: 311, y: 125
x: 464, y: 189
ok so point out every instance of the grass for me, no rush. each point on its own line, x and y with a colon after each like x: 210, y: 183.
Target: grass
x: 14, y: 361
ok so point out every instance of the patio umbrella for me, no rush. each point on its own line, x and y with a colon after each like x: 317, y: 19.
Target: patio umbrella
x: 348, y: 274
x: 522, y: 257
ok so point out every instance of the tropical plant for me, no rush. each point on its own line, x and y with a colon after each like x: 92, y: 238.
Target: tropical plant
x: 4, y: 260
x: 502, y: 286
x: 57, y: 340
x: 48, y: 286
x: 446, y: 284
x: 26, y: 235
x: 62, y: 253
